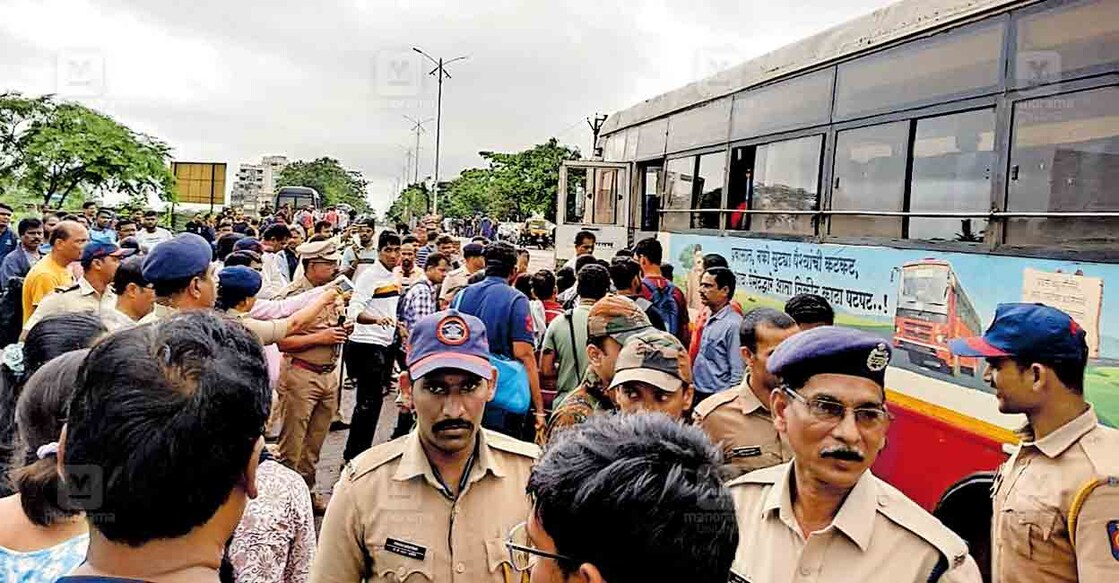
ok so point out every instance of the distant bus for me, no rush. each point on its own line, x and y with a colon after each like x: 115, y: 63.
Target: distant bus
x: 933, y: 308
x: 298, y: 197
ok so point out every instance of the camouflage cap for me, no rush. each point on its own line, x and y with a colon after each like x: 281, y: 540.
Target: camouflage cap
x: 655, y: 357
x: 617, y: 317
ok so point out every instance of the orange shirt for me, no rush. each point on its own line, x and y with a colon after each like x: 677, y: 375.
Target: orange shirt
x: 44, y: 277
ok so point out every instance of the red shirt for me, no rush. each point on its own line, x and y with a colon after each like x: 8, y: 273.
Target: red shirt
x: 552, y: 309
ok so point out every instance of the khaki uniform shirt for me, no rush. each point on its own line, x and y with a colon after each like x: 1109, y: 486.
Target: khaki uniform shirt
x: 737, y: 422
x: 455, y: 279
x: 328, y: 317
x: 1038, y: 489
x: 80, y: 297
x: 878, y: 535
x: 268, y: 331
x: 159, y: 312
x: 390, y: 518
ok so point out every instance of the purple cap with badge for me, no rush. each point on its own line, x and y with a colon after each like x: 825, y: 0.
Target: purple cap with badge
x: 449, y: 339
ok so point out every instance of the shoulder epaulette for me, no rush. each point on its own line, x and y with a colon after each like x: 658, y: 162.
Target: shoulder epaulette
x: 909, y: 515
x: 374, y: 458
x: 715, y: 401
x: 768, y: 475
x: 508, y: 444
x: 1100, y: 445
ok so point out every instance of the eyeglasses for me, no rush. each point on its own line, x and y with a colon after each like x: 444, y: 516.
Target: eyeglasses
x: 523, y: 554
x: 833, y: 412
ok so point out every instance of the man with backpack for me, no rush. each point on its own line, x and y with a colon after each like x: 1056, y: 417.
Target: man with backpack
x: 667, y: 299
x: 626, y: 275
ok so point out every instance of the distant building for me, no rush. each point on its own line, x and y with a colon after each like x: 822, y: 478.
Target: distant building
x: 256, y: 183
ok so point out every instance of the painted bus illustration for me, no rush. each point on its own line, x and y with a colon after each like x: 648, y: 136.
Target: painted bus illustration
x: 932, y: 309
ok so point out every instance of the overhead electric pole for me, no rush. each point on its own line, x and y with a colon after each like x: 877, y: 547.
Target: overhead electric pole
x: 596, y: 125
x: 417, y: 128
x: 440, y: 72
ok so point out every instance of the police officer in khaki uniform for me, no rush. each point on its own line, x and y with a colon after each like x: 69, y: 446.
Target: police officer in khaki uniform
x: 739, y: 420
x: 438, y: 503
x: 183, y: 276
x: 306, y: 389
x: 824, y: 516
x: 93, y: 292
x: 1056, y: 500
x: 238, y: 287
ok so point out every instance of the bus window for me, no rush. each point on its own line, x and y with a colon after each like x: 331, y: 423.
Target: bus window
x: 651, y: 177
x: 966, y: 61
x: 787, y: 177
x: 576, y: 195
x: 869, y: 176
x: 709, y: 190
x: 1065, y: 40
x: 605, y: 198
x: 952, y: 158
x: 1064, y: 157
x: 701, y: 126
x: 678, y: 192
x: 741, y: 187
x: 799, y: 102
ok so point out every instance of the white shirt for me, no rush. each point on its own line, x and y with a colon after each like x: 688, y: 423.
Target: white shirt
x: 376, y: 291
x: 148, y: 240
x: 274, y: 275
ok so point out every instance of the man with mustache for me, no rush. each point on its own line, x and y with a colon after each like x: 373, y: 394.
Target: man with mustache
x: 436, y: 504
x: 824, y: 516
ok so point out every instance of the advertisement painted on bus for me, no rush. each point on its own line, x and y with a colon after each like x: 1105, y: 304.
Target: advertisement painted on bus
x: 947, y: 423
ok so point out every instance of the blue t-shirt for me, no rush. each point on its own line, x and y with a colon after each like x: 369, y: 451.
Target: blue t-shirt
x: 503, y: 310
x: 8, y: 242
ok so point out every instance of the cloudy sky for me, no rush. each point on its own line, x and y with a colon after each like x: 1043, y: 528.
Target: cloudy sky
x: 232, y: 80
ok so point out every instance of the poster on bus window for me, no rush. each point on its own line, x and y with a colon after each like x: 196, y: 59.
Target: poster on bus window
x: 919, y: 300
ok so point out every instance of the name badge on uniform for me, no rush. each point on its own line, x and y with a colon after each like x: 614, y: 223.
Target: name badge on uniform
x: 736, y: 578
x: 407, y: 549
x: 745, y: 451
x: 1113, y: 536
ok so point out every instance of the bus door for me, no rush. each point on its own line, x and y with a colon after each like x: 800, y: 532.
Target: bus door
x: 645, y: 207
x: 593, y: 196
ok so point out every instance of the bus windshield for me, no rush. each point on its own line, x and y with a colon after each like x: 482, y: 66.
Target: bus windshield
x: 925, y: 288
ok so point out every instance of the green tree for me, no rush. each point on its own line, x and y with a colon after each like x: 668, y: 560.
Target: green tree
x: 414, y: 201
x: 336, y: 184
x: 55, y: 149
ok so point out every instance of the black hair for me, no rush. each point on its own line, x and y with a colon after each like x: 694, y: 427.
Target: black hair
x: 444, y: 240
x: 714, y: 260
x: 584, y: 235
x: 565, y: 278
x: 640, y: 485
x: 408, y: 239
x: 1070, y: 371
x: 387, y: 238
x: 476, y: 277
x: 431, y: 234
x: 650, y: 249
x: 88, y: 204
x: 523, y: 284
x: 150, y: 213
x: 225, y: 245
x: 623, y: 271
x: 7, y: 207
x: 748, y: 330
x: 125, y: 221
x: 469, y: 251
x: 667, y: 270
x: 723, y: 278
x: 543, y: 284
x: 27, y: 224
x: 40, y: 413
x: 243, y: 257
x: 321, y: 225
x: 624, y: 252
x: 276, y: 232
x: 170, y: 412
x: 592, y: 282
x: 131, y: 270
x: 583, y: 261
x: 58, y: 334
x: 434, y: 258
x: 810, y: 309
x: 501, y: 259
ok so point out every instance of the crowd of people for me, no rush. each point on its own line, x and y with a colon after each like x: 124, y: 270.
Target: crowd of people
x: 166, y: 399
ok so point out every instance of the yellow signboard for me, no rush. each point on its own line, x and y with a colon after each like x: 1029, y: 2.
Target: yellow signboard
x: 199, y: 182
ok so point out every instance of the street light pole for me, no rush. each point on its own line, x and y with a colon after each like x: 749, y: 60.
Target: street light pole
x: 440, y: 72
x: 417, y: 127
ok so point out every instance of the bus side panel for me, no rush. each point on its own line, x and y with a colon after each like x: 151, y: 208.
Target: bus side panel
x: 924, y: 455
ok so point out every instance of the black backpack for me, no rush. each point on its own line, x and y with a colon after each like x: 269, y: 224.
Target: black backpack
x: 11, y: 311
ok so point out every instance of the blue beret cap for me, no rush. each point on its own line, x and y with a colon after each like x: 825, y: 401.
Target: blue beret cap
x: 830, y: 349
x: 185, y: 255
x: 240, y: 279
x: 249, y: 244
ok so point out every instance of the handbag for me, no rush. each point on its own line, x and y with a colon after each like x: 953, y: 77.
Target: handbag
x: 512, y: 394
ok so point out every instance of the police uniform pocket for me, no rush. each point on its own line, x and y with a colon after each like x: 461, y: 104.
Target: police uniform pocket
x: 1029, y: 532
x: 389, y: 564
x: 497, y: 557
